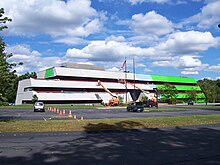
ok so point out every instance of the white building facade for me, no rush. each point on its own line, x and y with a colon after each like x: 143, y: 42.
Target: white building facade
x: 74, y: 83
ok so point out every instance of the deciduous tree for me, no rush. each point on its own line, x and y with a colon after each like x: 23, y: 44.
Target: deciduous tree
x: 7, y: 74
x: 168, y: 93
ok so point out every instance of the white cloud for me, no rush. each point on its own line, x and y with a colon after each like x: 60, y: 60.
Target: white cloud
x: 110, y: 51
x: 214, y: 68
x: 134, y: 2
x: 152, y: 1
x: 209, y: 15
x: 189, y: 72
x: 146, y: 70
x: 187, y: 64
x: 180, y: 51
x: 52, y: 17
x: 70, y: 40
x: 116, y: 38
x: 77, y: 53
x: 32, y: 60
x: 151, y: 24
x: 191, y: 42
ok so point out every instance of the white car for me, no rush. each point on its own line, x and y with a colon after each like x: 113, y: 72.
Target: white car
x: 39, y: 106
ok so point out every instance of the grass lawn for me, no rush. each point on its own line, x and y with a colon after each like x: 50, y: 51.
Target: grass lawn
x: 66, y: 106
x: 104, y: 124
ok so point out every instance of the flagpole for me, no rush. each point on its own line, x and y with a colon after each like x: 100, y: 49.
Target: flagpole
x: 134, y: 78
x: 126, y: 89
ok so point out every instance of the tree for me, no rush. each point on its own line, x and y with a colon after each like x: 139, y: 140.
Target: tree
x: 191, y: 95
x: 27, y: 76
x: 7, y: 74
x: 211, y: 89
x: 3, y: 20
x: 168, y: 93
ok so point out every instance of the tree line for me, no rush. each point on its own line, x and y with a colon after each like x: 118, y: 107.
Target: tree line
x: 210, y: 88
x: 9, y: 79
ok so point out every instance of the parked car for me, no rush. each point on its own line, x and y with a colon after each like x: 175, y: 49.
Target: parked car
x: 190, y: 102
x: 135, y: 107
x: 39, y: 106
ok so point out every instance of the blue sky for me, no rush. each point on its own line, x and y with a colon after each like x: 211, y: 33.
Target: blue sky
x: 165, y: 37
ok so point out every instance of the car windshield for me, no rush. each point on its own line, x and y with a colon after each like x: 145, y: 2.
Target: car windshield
x: 41, y: 104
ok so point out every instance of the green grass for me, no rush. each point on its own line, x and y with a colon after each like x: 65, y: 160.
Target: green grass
x: 183, y: 107
x: 104, y: 124
x: 68, y: 106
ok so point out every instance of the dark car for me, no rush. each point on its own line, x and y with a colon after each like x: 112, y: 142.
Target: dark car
x: 39, y: 106
x: 135, y: 107
x: 190, y: 102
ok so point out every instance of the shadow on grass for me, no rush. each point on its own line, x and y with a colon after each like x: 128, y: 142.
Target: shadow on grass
x: 128, y: 124
x: 8, y: 118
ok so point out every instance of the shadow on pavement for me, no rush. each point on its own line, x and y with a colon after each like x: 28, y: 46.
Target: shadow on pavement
x: 148, y: 146
x: 8, y: 118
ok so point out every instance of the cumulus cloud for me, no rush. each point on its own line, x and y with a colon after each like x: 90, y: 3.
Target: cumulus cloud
x: 214, y: 68
x: 32, y: 59
x: 151, y: 23
x: 191, y: 42
x: 180, y: 51
x: 53, y: 17
x: 187, y: 64
x: 107, y: 51
x: 135, y: 2
x: 152, y: 1
x: 189, y: 72
x: 209, y: 15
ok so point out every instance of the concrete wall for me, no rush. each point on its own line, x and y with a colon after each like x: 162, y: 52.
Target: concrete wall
x: 24, y: 91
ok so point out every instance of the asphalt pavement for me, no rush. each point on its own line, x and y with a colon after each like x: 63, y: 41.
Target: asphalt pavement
x: 164, y: 146
x: 101, y: 113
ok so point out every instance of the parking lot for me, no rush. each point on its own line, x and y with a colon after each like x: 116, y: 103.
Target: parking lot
x: 102, y: 113
x: 174, y: 145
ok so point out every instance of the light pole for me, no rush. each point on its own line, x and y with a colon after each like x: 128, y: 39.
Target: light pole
x: 126, y: 87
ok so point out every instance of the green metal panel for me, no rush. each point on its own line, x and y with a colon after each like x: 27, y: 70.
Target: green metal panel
x: 182, y: 95
x: 183, y: 88
x: 173, y: 79
x: 188, y: 88
x: 49, y: 73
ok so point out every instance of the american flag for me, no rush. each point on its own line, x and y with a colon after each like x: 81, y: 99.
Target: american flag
x: 123, y: 65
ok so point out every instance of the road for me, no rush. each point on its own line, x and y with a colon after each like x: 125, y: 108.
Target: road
x: 29, y: 114
x: 174, y: 145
